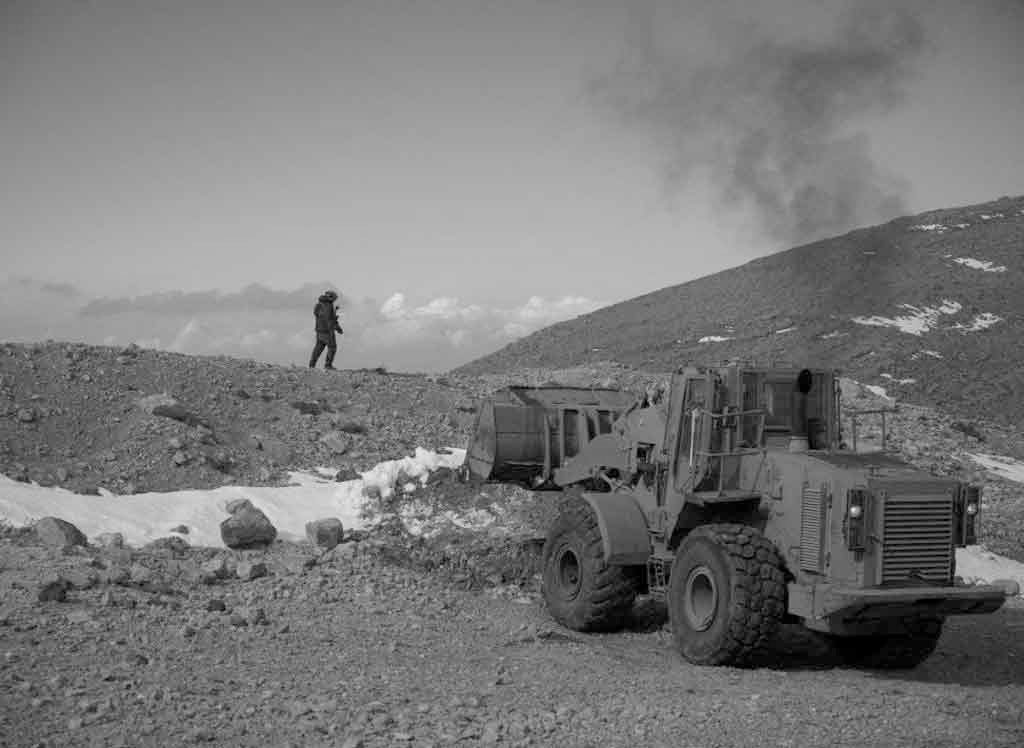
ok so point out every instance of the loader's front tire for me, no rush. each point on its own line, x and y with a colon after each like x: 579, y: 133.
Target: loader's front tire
x: 581, y: 591
x: 902, y: 651
x: 727, y: 594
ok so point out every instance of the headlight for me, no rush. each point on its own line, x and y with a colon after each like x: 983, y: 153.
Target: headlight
x: 857, y: 507
x: 972, y: 509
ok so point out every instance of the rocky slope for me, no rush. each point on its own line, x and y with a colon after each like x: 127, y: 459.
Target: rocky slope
x: 927, y: 305
x: 137, y: 419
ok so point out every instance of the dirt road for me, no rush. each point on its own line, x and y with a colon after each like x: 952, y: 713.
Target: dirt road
x: 355, y: 652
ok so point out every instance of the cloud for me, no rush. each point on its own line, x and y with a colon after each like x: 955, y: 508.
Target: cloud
x: 400, y: 333
x: 253, y: 297
x: 763, y: 100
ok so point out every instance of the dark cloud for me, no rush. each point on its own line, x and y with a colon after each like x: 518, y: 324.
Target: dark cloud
x: 768, y: 109
x: 253, y: 297
x: 25, y: 283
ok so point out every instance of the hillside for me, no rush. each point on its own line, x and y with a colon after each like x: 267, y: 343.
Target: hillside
x: 133, y: 420
x: 928, y: 306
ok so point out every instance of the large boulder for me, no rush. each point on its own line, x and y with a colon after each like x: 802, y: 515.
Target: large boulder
x: 60, y: 533
x: 325, y: 533
x: 247, y: 527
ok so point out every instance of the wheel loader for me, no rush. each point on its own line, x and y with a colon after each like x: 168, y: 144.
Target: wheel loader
x: 734, y: 499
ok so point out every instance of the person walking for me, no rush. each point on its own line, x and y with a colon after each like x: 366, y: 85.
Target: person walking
x: 326, y: 315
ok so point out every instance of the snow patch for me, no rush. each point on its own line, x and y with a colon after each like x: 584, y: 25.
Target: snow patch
x: 1006, y: 467
x: 875, y: 389
x: 919, y: 321
x: 936, y: 227
x: 989, y: 217
x: 142, y: 518
x: 713, y: 339
x: 977, y: 566
x: 933, y: 354
x: 983, y: 265
x: 980, y: 322
x: 785, y: 329
x: 834, y: 334
x: 961, y: 225
x: 898, y: 381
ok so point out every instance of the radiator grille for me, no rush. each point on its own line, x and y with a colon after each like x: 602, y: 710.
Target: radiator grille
x: 917, y: 533
x: 811, y: 527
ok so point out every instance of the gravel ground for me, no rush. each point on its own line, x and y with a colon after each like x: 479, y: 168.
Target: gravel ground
x: 354, y: 651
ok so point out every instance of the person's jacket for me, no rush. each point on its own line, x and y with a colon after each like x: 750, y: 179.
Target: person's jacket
x: 326, y: 316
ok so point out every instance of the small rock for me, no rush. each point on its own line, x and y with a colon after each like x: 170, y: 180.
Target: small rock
x: 216, y: 605
x: 325, y: 533
x: 110, y: 540
x: 182, y: 529
x: 171, y: 545
x: 263, y: 475
x: 346, y: 474
x: 336, y: 441
x: 442, y: 475
x: 217, y: 568
x: 237, y: 619
x: 117, y: 574
x: 56, y: 532
x: 275, y: 449
x: 179, y: 458
x: 26, y: 415
x: 141, y: 574
x: 53, y: 591
x: 249, y: 570
x: 255, y: 616
x: 175, y: 443
x: 372, y: 491
x: 82, y: 579
x: 490, y: 733
x: 219, y: 460
x: 62, y: 474
x: 201, y: 735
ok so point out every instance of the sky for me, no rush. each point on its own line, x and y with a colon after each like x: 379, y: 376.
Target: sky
x: 190, y: 175
x: 316, y: 495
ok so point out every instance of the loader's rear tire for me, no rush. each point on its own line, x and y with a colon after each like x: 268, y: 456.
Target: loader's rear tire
x: 581, y: 591
x: 727, y: 594
x: 894, y: 651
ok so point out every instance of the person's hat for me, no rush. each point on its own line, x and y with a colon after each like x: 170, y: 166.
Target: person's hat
x: 331, y: 294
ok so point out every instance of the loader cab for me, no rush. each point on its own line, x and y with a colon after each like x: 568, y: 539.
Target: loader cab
x: 801, y: 407
x: 719, y: 417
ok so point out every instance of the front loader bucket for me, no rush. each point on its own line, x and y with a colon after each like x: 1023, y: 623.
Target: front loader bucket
x: 523, y: 433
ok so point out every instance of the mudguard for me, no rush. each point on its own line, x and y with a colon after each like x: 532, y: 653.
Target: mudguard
x: 623, y: 528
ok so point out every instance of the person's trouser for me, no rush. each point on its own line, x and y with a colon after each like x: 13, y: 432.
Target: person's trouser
x: 328, y: 341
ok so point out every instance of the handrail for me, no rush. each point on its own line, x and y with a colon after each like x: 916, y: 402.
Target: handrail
x: 755, y: 411
x: 737, y: 451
